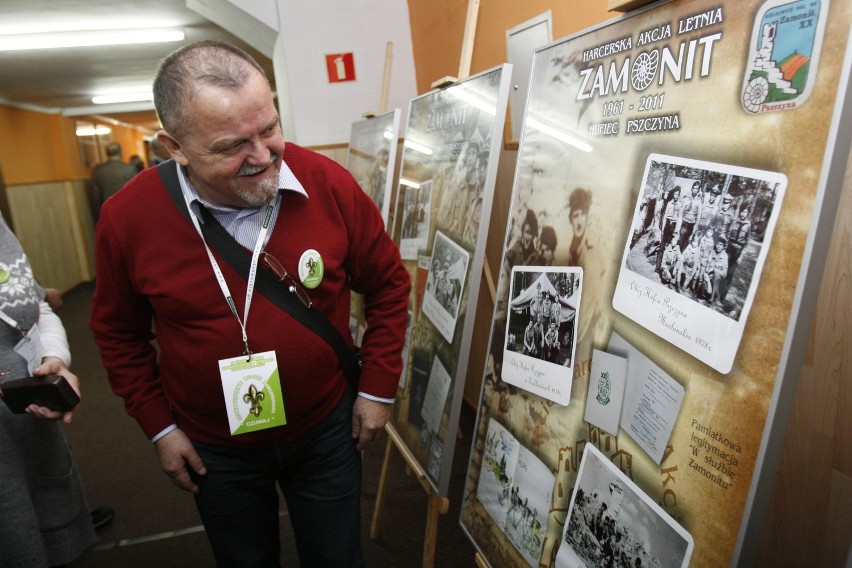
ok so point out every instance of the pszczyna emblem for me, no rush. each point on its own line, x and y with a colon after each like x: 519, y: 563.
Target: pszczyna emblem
x: 604, y: 386
x: 783, y: 54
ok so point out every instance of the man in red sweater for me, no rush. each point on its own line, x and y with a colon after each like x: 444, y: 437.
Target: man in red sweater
x: 239, y: 396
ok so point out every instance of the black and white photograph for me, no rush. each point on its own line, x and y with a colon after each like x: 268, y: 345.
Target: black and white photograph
x: 541, y: 331
x: 516, y: 489
x: 613, y: 523
x: 444, y: 285
x: 695, y: 251
x: 416, y: 212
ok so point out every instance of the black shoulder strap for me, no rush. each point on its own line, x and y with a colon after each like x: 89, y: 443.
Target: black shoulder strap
x: 240, y: 260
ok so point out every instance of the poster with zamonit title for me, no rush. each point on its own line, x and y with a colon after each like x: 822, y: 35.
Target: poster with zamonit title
x: 443, y: 207
x: 683, y: 157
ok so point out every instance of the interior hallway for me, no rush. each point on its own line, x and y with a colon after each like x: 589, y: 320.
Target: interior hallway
x: 156, y: 524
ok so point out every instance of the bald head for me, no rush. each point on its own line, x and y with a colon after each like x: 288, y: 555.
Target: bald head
x: 189, y: 69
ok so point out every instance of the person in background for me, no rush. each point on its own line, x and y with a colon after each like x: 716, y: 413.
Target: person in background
x: 158, y: 153
x: 43, y: 511
x: 307, y: 221
x: 110, y: 176
x: 136, y: 162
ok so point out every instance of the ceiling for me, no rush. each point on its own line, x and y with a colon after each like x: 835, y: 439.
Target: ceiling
x: 65, y: 79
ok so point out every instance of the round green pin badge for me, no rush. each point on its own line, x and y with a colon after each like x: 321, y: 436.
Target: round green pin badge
x: 5, y: 273
x: 311, y: 269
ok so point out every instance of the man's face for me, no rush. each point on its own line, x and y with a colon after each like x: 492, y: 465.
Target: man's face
x: 234, y: 149
x: 695, y: 189
x: 578, y: 221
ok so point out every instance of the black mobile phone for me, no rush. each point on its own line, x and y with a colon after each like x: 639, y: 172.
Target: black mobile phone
x: 52, y: 391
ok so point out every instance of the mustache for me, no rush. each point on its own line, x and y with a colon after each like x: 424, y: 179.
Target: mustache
x: 247, y: 170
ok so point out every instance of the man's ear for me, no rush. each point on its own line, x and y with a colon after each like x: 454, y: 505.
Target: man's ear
x: 173, y: 147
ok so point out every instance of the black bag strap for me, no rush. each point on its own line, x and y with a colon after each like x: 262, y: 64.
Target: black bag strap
x: 240, y: 260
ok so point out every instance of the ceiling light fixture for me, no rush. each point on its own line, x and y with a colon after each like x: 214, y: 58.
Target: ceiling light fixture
x: 123, y: 98
x: 87, y: 38
x: 93, y: 130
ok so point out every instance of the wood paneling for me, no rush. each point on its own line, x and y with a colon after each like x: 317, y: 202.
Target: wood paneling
x: 810, y: 516
x: 54, y: 224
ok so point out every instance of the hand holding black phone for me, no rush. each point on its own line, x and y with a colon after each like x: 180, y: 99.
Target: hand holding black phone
x: 52, y: 392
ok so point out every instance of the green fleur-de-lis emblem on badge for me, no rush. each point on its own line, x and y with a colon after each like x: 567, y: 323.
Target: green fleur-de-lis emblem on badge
x: 311, y: 265
x: 253, y: 397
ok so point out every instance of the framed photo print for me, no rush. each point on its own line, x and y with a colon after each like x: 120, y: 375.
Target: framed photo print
x: 541, y: 331
x: 692, y: 262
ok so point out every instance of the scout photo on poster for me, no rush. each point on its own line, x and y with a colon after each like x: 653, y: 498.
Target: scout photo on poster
x: 416, y: 211
x: 516, y: 489
x: 693, y: 257
x: 444, y: 285
x: 541, y: 332
x: 612, y: 522
x: 372, y: 157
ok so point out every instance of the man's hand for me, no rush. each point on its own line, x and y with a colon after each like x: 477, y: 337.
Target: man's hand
x: 176, y: 452
x: 368, y: 418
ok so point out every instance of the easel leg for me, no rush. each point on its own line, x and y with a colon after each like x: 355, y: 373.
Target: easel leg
x: 380, y: 493
x: 437, y: 506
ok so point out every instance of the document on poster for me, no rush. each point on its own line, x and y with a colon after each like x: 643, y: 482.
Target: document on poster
x: 692, y: 261
x: 652, y: 400
x: 606, y: 391
x: 436, y: 396
x: 541, y: 335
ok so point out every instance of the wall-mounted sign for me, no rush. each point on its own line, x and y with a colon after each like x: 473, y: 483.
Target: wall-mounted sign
x: 340, y: 66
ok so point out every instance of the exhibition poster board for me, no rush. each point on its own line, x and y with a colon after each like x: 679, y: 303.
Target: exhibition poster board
x: 372, y: 156
x: 685, y: 159
x: 443, y: 206
x: 372, y: 162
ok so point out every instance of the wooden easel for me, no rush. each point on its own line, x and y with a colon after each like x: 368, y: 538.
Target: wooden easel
x: 383, y: 104
x: 438, y: 505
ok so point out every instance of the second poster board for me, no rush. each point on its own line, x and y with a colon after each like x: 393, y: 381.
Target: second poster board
x: 443, y: 206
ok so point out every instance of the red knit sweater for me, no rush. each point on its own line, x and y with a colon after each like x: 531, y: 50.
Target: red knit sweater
x: 151, y: 263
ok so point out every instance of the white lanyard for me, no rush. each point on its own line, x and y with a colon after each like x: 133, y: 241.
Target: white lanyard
x: 226, y: 292
x: 8, y: 319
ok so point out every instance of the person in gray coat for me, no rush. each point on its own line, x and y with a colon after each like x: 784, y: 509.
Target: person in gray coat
x: 43, y: 512
x: 110, y: 176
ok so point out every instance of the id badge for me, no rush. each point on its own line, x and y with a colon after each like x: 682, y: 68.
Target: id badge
x: 30, y: 348
x: 252, y: 390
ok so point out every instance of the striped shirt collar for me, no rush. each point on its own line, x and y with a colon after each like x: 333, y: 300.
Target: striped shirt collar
x: 286, y: 182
